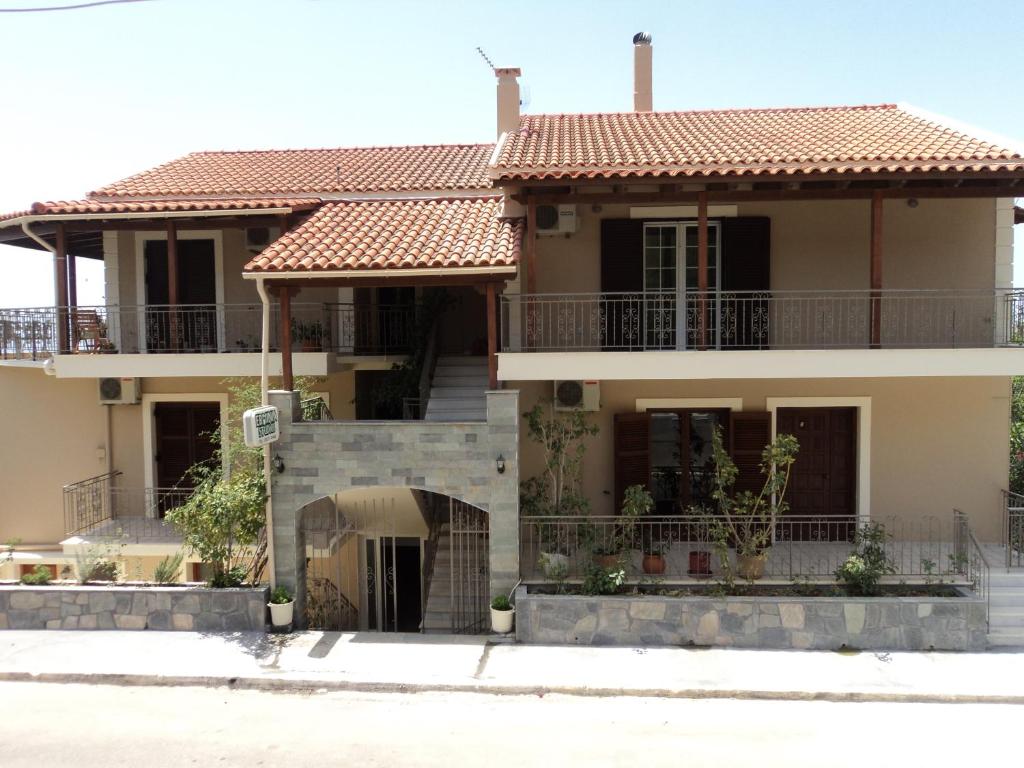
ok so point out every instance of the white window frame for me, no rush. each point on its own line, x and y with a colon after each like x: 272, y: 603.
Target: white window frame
x: 149, y: 402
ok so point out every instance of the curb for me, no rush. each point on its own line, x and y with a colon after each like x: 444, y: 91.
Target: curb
x: 341, y: 686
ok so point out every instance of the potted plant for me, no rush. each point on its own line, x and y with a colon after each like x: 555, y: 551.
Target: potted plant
x: 654, y: 559
x: 502, y: 614
x: 700, y: 564
x: 282, y: 607
x: 747, y: 520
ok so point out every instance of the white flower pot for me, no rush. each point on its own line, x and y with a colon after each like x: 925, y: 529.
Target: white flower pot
x: 554, y: 564
x: 501, y: 621
x: 281, y: 613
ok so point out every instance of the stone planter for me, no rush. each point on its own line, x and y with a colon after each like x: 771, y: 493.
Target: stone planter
x: 826, y: 623
x: 196, y: 608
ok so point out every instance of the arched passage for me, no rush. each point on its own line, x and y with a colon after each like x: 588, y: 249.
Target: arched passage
x: 394, y: 560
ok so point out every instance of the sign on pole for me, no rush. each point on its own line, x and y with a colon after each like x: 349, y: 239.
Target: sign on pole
x: 260, y: 426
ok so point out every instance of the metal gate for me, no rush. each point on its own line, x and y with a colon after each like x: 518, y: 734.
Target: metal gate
x: 470, y: 573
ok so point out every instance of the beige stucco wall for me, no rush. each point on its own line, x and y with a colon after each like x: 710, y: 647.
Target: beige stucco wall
x: 936, y: 443
x: 821, y: 245
x: 54, y: 431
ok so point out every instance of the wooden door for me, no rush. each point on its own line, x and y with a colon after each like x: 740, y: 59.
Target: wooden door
x: 823, y: 480
x: 197, y: 294
x: 183, y: 439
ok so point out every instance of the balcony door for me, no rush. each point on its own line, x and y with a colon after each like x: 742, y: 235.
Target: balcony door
x: 183, y: 436
x: 673, y: 307
x: 192, y: 327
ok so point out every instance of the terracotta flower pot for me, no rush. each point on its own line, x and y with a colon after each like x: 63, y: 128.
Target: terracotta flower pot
x: 751, y: 566
x: 700, y: 565
x: 607, y: 561
x: 654, y: 564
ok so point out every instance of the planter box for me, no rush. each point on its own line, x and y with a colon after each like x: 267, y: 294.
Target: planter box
x: 197, y: 608
x: 824, y: 623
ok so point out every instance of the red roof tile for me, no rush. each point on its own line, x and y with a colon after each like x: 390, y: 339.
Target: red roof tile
x: 396, y: 235
x: 73, y: 207
x: 305, y: 171
x: 869, y: 139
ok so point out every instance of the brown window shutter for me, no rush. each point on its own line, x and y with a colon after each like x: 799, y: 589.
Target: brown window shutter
x: 746, y: 266
x: 622, y: 271
x: 749, y: 433
x: 632, y: 453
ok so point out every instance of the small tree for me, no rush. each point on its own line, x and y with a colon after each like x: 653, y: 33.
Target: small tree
x: 557, y: 490
x: 1017, y: 435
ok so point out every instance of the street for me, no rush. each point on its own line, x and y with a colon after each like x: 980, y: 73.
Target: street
x: 93, y: 725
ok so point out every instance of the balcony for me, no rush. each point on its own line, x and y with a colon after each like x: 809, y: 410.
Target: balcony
x: 102, y: 509
x: 343, y: 329
x: 762, y: 320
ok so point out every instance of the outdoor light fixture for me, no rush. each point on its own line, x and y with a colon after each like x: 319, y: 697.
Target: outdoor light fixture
x: 500, y: 464
x: 912, y: 202
x: 278, y: 463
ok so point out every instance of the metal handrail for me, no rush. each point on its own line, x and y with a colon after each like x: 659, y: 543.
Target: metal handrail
x: 771, y: 319
x: 1013, y: 528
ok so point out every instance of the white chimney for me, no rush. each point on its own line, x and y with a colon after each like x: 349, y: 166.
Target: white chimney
x: 508, y: 99
x: 643, y: 54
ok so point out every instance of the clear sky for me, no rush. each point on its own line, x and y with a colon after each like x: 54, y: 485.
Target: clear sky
x: 93, y: 95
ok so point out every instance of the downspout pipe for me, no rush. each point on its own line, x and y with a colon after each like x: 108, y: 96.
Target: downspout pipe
x: 261, y: 289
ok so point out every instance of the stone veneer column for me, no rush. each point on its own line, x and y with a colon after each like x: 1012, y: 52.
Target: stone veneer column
x: 503, y: 510
x: 285, y: 536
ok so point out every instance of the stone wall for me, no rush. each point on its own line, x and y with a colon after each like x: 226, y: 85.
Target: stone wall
x: 322, y: 458
x: 827, y: 623
x: 125, y: 607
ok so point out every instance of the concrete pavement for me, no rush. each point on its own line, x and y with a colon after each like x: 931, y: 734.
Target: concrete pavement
x: 372, y: 662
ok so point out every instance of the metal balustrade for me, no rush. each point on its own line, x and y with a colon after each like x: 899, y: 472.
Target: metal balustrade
x: 657, y: 320
x: 1013, y: 529
x: 99, y: 507
x: 34, y: 333
x: 924, y: 549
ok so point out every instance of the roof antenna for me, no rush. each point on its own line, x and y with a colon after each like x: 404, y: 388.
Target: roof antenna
x: 485, y: 57
x: 337, y: 175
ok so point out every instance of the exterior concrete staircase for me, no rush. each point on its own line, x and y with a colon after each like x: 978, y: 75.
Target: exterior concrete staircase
x: 437, y: 618
x: 1006, y: 607
x: 458, y: 390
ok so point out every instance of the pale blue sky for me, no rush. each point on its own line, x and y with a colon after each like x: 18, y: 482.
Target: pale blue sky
x: 95, y: 95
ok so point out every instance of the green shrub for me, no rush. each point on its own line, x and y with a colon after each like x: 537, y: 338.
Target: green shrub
x: 601, y: 581
x: 167, y: 570
x: 501, y: 603
x: 864, y: 569
x: 280, y: 596
x: 38, y: 577
x: 103, y: 570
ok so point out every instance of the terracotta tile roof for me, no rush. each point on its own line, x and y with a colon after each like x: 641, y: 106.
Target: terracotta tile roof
x: 396, y: 235
x: 744, y: 142
x: 306, y: 171
x: 71, y: 207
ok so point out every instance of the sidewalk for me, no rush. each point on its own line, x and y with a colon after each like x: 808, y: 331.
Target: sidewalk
x: 378, y: 662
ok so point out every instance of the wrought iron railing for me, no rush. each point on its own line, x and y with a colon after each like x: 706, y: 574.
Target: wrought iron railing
x: 40, y: 332
x: 804, y: 547
x: 98, y: 505
x: 969, y: 560
x: 839, y: 319
x: 315, y: 409
x: 1013, y: 529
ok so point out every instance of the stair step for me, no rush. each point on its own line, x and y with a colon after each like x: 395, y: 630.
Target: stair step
x: 460, y: 392
x: 476, y: 383
x: 1012, y: 639
x: 446, y: 403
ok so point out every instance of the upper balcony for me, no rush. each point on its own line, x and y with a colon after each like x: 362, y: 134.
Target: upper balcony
x: 867, y: 332
x: 80, y: 337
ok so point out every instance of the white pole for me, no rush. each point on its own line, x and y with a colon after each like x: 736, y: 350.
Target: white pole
x: 261, y: 289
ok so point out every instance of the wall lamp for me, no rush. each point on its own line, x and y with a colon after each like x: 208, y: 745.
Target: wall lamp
x: 278, y: 463
x: 499, y: 463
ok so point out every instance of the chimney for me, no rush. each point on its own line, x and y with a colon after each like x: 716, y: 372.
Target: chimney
x: 643, y: 98
x: 508, y: 98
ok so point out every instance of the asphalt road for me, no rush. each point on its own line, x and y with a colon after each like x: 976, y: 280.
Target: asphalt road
x: 85, y: 725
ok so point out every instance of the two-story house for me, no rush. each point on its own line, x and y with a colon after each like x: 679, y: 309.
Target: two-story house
x: 842, y: 274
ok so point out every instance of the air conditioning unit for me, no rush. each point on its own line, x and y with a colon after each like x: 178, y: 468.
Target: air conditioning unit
x: 257, y: 238
x: 577, y: 395
x: 119, y: 391
x: 556, y: 219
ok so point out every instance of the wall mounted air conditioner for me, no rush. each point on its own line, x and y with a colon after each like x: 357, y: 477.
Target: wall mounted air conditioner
x: 577, y: 395
x: 257, y: 238
x: 119, y: 391
x: 556, y: 219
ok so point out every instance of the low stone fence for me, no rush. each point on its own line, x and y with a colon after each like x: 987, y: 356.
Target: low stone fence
x: 826, y: 623
x: 130, y: 607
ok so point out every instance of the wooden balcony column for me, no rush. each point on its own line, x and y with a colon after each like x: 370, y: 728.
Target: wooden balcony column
x: 492, y: 336
x: 172, y: 282
x: 60, y: 279
x: 702, y: 268
x: 876, y: 269
x: 284, y: 300
x: 530, y: 244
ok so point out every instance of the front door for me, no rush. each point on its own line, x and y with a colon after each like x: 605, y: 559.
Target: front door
x: 192, y: 325
x: 393, y: 591
x: 824, y: 477
x: 184, y: 438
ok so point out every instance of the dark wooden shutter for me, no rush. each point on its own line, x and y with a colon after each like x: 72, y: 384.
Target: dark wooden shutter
x: 632, y: 453
x: 183, y: 438
x: 746, y: 266
x: 622, y: 271
x: 749, y: 433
